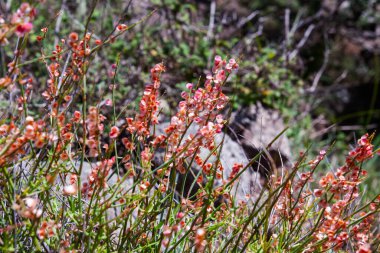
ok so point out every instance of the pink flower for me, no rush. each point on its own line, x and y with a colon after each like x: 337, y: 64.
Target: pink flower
x: 219, y: 119
x: 114, y: 132
x: 108, y: 102
x: 318, y: 192
x: 218, y: 63
x: 217, y: 60
x: 22, y: 29
x: 232, y: 65
x: 77, y: 116
x: 184, y: 95
x: 189, y: 86
x: 180, y: 215
x: 121, y: 27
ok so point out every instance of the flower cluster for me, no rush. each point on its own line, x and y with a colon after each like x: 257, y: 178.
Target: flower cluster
x: 149, y: 105
x: 28, y: 208
x: 75, y: 67
x: 47, y: 229
x: 81, y: 49
x: 235, y: 170
x: 20, y: 23
x: 22, y: 18
x: 201, y: 106
x: 95, y: 127
x: 14, y: 138
x: 333, y: 199
x: 97, y: 179
x: 343, y: 187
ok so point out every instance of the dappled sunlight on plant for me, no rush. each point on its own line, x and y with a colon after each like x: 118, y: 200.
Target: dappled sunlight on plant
x: 81, y: 178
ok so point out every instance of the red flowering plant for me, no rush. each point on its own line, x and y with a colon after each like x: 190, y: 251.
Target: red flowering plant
x: 335, y: 204
x: 80, y: 179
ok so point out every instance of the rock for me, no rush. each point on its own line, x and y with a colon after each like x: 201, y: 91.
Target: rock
x: 254, y: 127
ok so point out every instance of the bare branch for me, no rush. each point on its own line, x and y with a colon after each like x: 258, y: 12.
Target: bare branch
x: 318, y: 76
x: 247, y: 19
x: 212, y: 20
x: 302, y: 42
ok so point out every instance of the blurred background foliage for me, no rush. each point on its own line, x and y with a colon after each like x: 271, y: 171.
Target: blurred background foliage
x: 317, y: 61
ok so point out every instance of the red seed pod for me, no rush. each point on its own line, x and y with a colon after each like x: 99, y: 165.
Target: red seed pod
x: 73, y: 36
